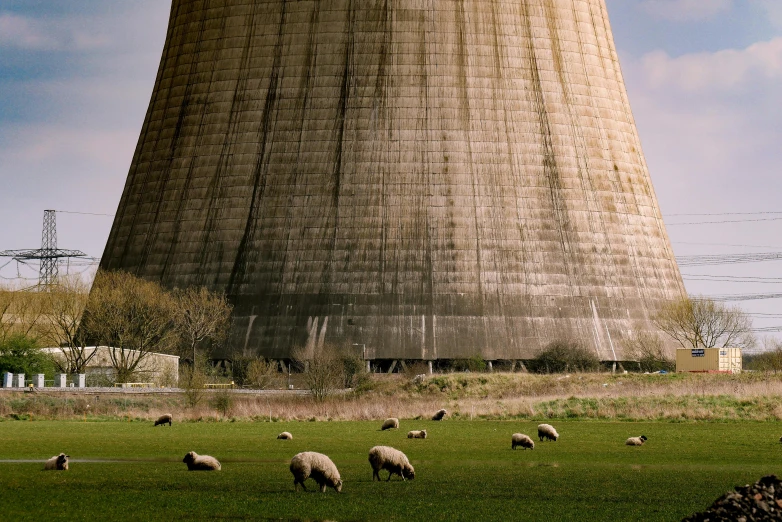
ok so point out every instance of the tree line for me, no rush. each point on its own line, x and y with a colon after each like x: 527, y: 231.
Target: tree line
x: 131, y: 316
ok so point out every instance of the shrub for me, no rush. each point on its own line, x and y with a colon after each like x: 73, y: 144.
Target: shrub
x: 564, y: 356
x: 223, y: 401
x: 648, y: 349
x: 21, y: 354
x: 476, y: 363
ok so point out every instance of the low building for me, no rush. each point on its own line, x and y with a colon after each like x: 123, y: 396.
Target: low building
x: 159, y: 369
x: 709, y: 360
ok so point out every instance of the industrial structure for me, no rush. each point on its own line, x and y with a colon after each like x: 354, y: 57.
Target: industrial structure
x: 48, y: 255
x: 422, y: 179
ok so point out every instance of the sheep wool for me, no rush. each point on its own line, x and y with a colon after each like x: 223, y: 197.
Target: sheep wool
x: 285, y: 436
x: 318, y: 466
x: 391, y: 460
x: 391, y: 423
x: 519, y: 439
x: 416, y: 434
x: 196, y: 462
x: 547, y: 431
x: 164, y: 419
x: 58, y: 462
x: 636, y: 441
x: 439, y: 415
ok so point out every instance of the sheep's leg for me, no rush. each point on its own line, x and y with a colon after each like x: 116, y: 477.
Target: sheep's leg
x: 375, y: 473
x: 389, y: 476
x: 323, y: 488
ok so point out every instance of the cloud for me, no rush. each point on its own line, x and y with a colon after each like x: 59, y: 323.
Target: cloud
x: 709, y: 123
x: 40, y: 34
x: 67, y: 137
x: 723, y: 71
x: 685, y: 10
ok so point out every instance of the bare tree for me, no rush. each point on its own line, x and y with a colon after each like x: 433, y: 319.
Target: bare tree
x: 64, y: 308
x: 20, y: 312
x: 649, y: 351
x: 705, y: 323
x: 132, y: 317
x: 323, y: 369
x: 200, y: 316
x: 769, y: 360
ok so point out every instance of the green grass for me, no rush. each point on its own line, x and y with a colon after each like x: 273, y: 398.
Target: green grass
x: 464, y: 470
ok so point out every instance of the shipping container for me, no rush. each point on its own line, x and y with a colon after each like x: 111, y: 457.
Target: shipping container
x: 722, y: 360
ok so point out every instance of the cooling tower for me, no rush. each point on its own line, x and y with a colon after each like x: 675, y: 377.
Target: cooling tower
x: 423, y: 179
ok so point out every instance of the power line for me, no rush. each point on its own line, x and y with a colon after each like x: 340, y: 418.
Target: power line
x: 729, y: 214
x: 83, y: 213
x: 727, y: 259
x: 732, y: 279
x: 744, y: 297
x: 724, y: 221
x: 725, y: 244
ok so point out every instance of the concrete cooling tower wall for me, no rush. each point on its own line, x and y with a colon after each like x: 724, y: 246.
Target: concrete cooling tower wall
x: 425, y: 179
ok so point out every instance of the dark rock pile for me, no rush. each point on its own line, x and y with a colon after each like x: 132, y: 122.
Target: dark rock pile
x: 760, y: 501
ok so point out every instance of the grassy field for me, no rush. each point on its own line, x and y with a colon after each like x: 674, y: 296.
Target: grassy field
x: 465, y: 470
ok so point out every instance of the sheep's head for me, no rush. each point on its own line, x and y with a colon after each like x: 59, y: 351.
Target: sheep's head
x: 338, y: 486
x: 643, y: 438
x: 190, y: 457
x: 62, y: 460
x: 408, y: 472
x: 423, y: 434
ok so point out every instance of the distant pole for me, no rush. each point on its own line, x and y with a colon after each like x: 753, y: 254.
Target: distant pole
x: 48, y: 254
x: 49, y: 272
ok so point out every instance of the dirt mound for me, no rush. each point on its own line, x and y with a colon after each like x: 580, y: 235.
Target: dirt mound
x: 760, y: 501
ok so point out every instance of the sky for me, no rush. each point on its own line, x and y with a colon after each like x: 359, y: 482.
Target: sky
x: 704, y: 79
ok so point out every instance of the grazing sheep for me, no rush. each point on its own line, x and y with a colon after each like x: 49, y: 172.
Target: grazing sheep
x: 196, y: 462
x: 547, y: 431
x: 636, y: 441
x: 318, y: 466
x: 164, y: 419
x: 439, y: 415
x: 519, y: 439
x: 416, y: 434
x: 391, y: 423
x: 58, y: 462
x: 285, y: 436
x: 391, y: 460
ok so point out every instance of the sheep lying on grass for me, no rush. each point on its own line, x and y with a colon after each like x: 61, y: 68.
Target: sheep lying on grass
x: 285, y: 436
x: 318, y: 466
x: 58, y: 462
x: 196, y: 462
x: 547, y: 431
x: 519, y: 439
x: 439, y: 415
x: 391, y: 460
x: 416, y: 434
x: 636, y: 441
x: 391, y: 423
x: 164, y: 419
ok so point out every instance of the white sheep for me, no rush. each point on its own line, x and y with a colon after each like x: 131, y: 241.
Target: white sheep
x: 164, y: 419
x: 636, y: 441
x: 58, y: 462
x: 196, y: 462
x: 547, y: 431
x: 391, y: 460
x: 439, y: 415
x: 519, y: 439
x: 318, y: 466
x: 391, y: 423
x: 416, y: 434
x: 285, y: 436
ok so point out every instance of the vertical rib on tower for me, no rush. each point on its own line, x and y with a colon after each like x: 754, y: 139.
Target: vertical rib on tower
x: 428, y: 178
